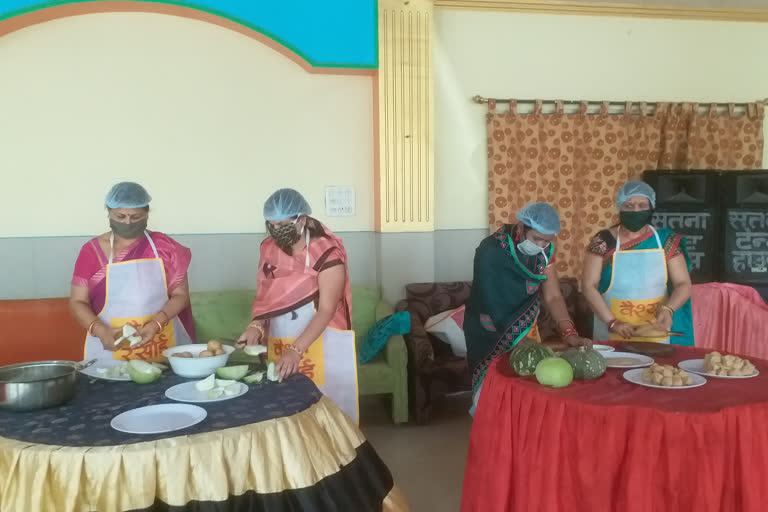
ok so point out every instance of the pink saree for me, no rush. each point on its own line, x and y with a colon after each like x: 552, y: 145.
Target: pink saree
x: 91, y: 268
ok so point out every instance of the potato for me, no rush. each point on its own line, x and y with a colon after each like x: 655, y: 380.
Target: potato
x: 206, y: 353
x: 667, y: 381
x: 657, y: 379
x: 748, y: 369
x: 722, y: 372
x: 669, y: 367
x: 738, y: 364
x: 213, y: 345
x: 655, y: 367
x: 647, y: 375
x: 677, y: 381
x: 218, y: 352
x: 667, y: 372
x: 182, y: 354
x: 687, y: 381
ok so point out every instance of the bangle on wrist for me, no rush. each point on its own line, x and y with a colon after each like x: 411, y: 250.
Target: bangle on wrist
x: 91, y: 326
x: 159, y: 325
x: 671, y: 311
x: 293, y: 347
x: 570, y: 331
x: 167, y: 318
x: 612, y: 323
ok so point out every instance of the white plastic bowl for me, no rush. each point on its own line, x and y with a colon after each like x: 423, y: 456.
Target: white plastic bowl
x: 194, y: 367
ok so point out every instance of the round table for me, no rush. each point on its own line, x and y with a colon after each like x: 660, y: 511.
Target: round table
x: 280, y: 447
x: 608, y: 444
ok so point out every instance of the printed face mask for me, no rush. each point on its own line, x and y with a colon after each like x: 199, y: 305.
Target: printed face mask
x: 284, y: 235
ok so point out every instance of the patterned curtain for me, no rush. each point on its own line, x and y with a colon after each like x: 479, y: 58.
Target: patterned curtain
x: 577, y: 162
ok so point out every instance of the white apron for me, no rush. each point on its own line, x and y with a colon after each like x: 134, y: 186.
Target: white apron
x: 136, y: 291
x: 330, y: 361
x: 638, y: 288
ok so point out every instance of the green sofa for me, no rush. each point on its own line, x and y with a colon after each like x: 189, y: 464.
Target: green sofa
x: 224, y: 314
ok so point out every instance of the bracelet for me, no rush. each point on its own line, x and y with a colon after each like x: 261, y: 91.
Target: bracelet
x: 291, y: 346
x: 90, y: 327
x: 671, y: 311
x: 613, y: 322
x: 568, y: 332
x: 159, y: 325
x: 167, y: 317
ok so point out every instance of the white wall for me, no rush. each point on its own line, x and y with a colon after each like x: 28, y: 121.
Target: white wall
x: 572, y: 57
x: 210, y: 121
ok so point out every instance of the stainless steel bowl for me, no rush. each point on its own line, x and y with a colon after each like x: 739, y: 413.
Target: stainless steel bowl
x: 38, y: 385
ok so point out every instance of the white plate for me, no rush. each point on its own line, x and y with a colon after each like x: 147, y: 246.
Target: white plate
x: 603, y: 348
x: 186, y: 392
x: 642, y: 361
x: 697, y: 366
x: 158, y: 419
x: 93, y: 370
x: 636, y: 377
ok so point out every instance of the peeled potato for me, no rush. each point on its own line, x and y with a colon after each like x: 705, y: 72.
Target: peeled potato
x: 722, y: 373
x: 658, y: 379
x: 677, y: 381
x: 687, y: 381
x: 667, y: 381
x: 668, y: 373
x: 655, y: 367
x: 206, y: 353
x: 213, y: 345
x: 218, y: 352
x: 647, y: 374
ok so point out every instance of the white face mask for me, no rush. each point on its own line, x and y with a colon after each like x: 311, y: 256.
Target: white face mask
x: 531, y: 249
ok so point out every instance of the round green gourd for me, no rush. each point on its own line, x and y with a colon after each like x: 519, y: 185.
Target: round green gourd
x: 587, y: 363
x: 526, y: 355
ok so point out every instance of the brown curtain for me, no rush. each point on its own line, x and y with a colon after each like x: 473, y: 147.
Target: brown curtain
x: 577, y: 162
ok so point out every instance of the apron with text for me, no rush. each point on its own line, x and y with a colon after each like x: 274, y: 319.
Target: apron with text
x: 136, y: 291
x: 330, y: 361
x: 638, y: 288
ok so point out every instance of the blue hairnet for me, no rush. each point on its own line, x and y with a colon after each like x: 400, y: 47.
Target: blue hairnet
x: 128, y: 195
x: 636, y: 188
x: 541, y: 217
x: 285, y: 203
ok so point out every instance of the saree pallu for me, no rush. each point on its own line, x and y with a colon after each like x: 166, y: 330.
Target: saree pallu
x: 504, y: 303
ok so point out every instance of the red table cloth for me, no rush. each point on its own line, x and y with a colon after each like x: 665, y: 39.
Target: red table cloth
x: 608, y: 444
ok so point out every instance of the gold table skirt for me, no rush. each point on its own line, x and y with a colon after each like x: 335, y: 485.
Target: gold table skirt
x: 285, y: 454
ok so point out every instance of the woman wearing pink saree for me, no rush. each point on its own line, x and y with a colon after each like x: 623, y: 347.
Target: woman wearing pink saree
x: 131, y: 276
x: 302, y: 310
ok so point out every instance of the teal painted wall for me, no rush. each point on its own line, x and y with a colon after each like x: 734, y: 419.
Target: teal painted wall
x: 338, y: 34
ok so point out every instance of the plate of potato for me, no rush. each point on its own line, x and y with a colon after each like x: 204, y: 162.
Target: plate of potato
x: 664, y: 376
x: 721, y: 366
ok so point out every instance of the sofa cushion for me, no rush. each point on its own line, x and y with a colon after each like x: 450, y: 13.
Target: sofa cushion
x: 221, y: 314
x: 364, y: 302
x: 377, y: 337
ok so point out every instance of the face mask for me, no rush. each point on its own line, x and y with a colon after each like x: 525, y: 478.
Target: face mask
x: 635, y: 221
x: 529, y: 248
x: 285, y: 235
x: 128, y: 231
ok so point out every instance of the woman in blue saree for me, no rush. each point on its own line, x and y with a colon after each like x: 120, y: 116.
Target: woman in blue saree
x: 514, y: 268
x: 635, y: 274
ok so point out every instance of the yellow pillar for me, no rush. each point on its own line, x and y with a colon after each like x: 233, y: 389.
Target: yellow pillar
x: 404, y: 93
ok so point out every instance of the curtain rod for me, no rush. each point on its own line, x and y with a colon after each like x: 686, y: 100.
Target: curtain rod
x: 481, y: 99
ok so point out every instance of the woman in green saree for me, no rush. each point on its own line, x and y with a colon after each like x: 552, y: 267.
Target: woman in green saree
x: 514, y: 268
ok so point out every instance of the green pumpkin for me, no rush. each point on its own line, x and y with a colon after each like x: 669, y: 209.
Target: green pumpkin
x: 587, y: 363
x: 526, y: 355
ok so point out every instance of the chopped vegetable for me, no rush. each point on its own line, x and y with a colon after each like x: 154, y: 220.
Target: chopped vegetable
x: 232, y: 372
x: 254, y: 377
x: 142, y: 372
x: 232, y: 389
x: 272, y: 372
x: 206, y: 384
x: 224, y: 383
x: 215, y: 393
x: 160, y: 366
x: 255, y: 350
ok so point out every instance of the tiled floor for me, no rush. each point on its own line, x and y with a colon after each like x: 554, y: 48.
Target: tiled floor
x: 427, y: 462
